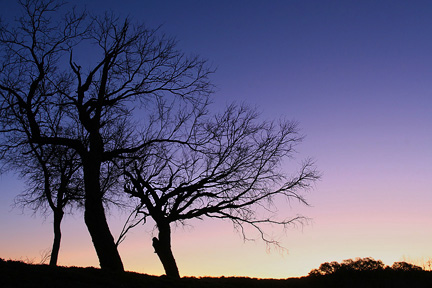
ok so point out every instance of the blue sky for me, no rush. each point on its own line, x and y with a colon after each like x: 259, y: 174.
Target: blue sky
x: 357, y: 77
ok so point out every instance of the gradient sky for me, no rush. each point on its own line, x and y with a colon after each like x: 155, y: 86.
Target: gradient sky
x: 357, y: 77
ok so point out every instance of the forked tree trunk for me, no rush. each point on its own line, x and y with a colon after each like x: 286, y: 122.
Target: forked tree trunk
x: 58, y: 216
x: 94, y: 216
x: 162, y: 246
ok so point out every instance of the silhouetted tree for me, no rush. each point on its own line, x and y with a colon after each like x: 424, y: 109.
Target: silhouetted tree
x: 326, y: 268
x: 231, y: 168
x: 363, y: 264
x: 54, y: 181
x: 45, y: 72
x: 404, y: 266
x: 349, y: 265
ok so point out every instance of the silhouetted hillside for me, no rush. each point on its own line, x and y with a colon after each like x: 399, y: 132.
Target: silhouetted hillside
x: 18, y: 274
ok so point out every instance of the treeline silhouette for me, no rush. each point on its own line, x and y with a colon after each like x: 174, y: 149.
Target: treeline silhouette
x: 362, y: 265
x: 361, y: 272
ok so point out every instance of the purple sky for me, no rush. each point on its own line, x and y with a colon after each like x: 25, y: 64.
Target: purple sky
x: 355, y: 74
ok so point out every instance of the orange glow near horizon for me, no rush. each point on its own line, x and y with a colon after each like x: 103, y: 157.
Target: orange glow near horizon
x: 215, y: 250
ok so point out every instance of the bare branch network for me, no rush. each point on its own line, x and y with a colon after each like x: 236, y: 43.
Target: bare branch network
x: 232, y: 169
x: 108, y: 109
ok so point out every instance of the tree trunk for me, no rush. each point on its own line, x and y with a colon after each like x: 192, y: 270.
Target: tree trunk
x: 103, y: 241
x: 58, y: 216
x: 94, y: 216
x: 162, y: 248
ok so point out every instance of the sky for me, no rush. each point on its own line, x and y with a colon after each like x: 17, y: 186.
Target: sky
x: 356, y: 75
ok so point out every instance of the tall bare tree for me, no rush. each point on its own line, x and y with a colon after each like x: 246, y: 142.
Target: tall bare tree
x: 103, y: 103
x: 231, y: 169
x: 54, y: 182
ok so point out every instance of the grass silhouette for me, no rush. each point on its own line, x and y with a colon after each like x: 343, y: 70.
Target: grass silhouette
x: 18, y: 274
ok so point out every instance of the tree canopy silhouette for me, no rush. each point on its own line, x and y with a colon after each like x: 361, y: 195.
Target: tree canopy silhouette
x: 46, y: 75
x: 358, y: 264
x: 230, y: 169
x: 404, y: 266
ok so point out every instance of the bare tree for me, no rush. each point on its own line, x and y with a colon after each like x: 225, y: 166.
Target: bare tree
x: 102, y: 104
x: 54, y: 182
x: 230, y: 169
x: 53, y: 175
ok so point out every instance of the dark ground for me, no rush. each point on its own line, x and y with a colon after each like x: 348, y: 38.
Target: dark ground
x: 18, y: 274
